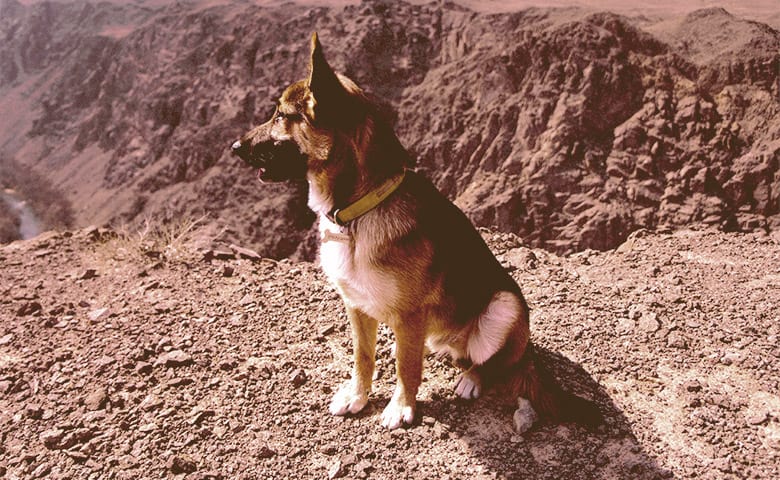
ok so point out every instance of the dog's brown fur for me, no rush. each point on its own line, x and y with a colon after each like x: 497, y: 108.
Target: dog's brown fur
x: 414, y: 261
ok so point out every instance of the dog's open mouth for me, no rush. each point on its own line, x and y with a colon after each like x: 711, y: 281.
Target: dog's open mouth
x: 273, y: 161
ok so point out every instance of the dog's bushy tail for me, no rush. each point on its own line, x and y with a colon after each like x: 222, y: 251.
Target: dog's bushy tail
x: 533, y: 381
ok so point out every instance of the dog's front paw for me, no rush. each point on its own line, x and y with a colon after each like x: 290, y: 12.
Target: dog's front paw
x: 347, y: 400
x: 397, y: 413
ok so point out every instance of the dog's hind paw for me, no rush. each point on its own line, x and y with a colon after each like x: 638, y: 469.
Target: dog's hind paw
x: 469, y: 385
x: 346, y: 400
x: 397, y: 414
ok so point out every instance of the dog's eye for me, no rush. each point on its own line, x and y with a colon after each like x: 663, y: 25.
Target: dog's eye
x: 294, y: 117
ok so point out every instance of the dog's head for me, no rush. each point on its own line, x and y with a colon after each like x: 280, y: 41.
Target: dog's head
x: 299, y: 136
x: 319, y: 121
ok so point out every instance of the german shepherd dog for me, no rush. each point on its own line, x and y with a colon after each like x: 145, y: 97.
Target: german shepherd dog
x: 398, y: 252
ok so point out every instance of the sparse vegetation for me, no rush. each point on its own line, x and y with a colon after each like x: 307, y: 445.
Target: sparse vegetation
x: 152, y: 240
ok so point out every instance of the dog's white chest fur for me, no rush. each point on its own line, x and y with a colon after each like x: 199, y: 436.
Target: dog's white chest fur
x: 360, y: 285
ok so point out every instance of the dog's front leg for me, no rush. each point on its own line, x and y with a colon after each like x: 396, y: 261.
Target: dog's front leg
x: 352, y: 397
x: 409, y: 346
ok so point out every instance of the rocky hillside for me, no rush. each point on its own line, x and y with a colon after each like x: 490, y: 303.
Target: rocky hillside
x: 568, y: 127
x: 141, y: 356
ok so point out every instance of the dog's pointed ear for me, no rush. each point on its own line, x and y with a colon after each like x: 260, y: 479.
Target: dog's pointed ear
x: 324, y: 85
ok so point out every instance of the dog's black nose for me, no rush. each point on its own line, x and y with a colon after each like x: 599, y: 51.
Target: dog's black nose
x: 240, y: 149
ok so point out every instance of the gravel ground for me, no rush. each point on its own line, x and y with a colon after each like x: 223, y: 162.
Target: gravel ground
x: 119, y: 360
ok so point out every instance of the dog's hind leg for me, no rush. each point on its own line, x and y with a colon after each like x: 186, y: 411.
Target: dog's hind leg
x: 410, y: 344
x: 469, y: 384
x: 352, y: 397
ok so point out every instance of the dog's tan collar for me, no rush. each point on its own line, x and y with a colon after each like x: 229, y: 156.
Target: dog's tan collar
x: 342, y: 216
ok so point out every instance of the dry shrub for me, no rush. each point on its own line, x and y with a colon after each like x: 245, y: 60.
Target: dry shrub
x: 153, y: 241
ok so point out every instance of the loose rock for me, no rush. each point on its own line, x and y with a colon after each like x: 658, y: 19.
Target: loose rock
x: 181, y: 464
x: 96, y: 400
x: 525, y: 416
x: 174, y: 359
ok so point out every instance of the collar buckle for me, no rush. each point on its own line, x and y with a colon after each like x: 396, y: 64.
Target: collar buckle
x: 333, y: 216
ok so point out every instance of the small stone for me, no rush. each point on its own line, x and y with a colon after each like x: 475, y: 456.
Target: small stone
x: 200, y: 415
x: 426, y: 420
x: 440, y: 431
x: 96, y: 400
x: 224, y: 255
x: 144, y: 368
x: 756, y: 418
x: 77, y: 456
x: 521, y: 257
x: 336, y: 470
x: 265, y: 452
x: 329, y: 449
x: 149, y: 427
x: 649, y: 323
x: 181, y: 464
x: 51, y: 438
x: 692, y: 386
x: 227, y: 365
x: 363, y: 466
x: 179, y: 381
x: 246, y: 253
x: 28, y: 309
x: 227, y: 271
x: 676, y: 340
x: 525, y: 416
x: 6, y: 339
x: 96, y: 315
x: 33, y: 411
x: 298, y: 377
x: 175, y: 358
x: 722, y: 464
x: 327, y: 330
x: 625, y: 326
x: 210, y: 475
x: 730, y: 358
x: 41, y: 470
x: 88, y: 274
x: 151, y: 402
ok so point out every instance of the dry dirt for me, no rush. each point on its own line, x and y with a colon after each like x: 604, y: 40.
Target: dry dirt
x: 122, y: 358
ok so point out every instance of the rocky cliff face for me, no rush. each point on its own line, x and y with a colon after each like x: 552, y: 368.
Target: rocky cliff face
x: 568, y: 127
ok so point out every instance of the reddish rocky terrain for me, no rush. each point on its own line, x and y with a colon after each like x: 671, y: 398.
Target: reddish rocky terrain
x: 156, y: 348
x: 146, y: 356
x: 570, y: 127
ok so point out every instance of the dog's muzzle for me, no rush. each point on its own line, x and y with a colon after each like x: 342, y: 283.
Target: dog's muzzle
x: 241, y: 150
x: 275, y: 160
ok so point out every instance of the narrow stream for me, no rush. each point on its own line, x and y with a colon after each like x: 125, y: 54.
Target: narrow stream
x: 29, y: 225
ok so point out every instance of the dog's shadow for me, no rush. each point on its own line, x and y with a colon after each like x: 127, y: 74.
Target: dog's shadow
x: 549, y: 450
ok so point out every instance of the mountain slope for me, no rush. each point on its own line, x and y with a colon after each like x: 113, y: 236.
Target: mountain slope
x: 567, y: 127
